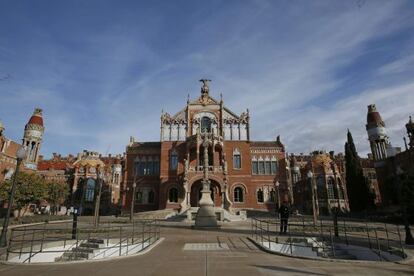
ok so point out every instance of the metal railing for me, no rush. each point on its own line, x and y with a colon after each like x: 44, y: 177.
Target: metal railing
x: 29, y: 241
x: 329, y: 239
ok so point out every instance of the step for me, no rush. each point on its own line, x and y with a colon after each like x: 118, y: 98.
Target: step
x: 94, y: 240
x: 92, y: 245
x: 84, y: 250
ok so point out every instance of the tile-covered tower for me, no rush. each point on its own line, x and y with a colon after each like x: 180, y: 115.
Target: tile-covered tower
x: 377, y: 136
x: 32, y: 139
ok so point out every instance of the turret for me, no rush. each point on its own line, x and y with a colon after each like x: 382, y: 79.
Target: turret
x: 377, y: 135
x: 33, y: 135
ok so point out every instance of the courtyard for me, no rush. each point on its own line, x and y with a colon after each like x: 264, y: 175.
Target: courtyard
x: 183, y: 251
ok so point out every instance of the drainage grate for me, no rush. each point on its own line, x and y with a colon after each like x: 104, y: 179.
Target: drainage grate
x: 206, y: 246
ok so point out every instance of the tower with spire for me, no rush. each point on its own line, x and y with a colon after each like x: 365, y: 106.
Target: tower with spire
x: 32, y: 139
x: 377, y: 136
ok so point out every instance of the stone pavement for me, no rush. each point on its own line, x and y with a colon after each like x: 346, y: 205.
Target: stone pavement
x: 242, y: 258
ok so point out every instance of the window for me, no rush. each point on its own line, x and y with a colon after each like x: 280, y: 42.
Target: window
x: 267, y: 167
x: 255, y: 167
x: 260, y: 198
x: 150, y: 167
x: 90, y: 190
x: 174, y: 161
x: 238, y: 194
x: 173, y: 195
x: 261, y: 167
x: 236, y: 159
x: 205, y: 124
x: 138, y: 197
x: 273, y: 167
x: 156, y: 167
x: 331, y: 192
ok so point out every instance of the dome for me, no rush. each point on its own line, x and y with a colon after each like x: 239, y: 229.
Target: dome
x: 89, y: 159
x: 373, y: 116
x: 36, y: 118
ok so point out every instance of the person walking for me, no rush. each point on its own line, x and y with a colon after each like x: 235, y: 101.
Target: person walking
x: 284, y: 217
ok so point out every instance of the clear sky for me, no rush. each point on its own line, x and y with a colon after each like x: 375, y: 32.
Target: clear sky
x: 103, y: 70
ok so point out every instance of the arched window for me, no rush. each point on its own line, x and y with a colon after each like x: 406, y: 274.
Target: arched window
x: 260, y: 197
x: 272, y: 196
x: 205, y: 124
x: 320, y: 188
x: 151, y: 196
x: 138, y: 196
x: 90, y: 190
x: 236, y: 159
x: 255, y: 167
x: 273, y: 165
x: 331, y: 192
x: 261, y: 165
x: 173, y: 195
x: 174, y: 161
x: 238, y: 194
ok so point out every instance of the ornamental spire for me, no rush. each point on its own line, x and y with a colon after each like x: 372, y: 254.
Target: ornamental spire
x: 205, y: 88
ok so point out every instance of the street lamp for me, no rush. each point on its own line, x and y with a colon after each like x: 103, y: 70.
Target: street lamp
x: 98, y: 197
x: 131, y: 215
x: 310, y: 177
x: 277, y: 184
x: 408, y: 236
x: 20, y: 155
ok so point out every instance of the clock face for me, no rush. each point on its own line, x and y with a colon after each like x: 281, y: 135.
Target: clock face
x: 81, y: 169
x: 92, y: 170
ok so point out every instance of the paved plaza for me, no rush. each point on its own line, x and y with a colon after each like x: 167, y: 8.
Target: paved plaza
x: 173, y: 257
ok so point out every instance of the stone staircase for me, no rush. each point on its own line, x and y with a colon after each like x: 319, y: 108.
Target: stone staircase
x: 84, y: 251
x: 325, y: 250
x: 188, y: 215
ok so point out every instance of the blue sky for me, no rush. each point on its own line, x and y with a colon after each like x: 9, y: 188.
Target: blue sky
x: 103, y: 70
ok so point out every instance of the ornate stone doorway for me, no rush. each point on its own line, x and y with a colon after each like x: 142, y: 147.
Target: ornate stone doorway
x: 196, y: 193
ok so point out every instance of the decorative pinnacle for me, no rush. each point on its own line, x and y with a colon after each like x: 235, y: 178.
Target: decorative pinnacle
x: 205, y: 87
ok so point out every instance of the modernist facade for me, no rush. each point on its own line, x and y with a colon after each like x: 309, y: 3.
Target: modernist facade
x: 319, y: 179
x: 243, y: 173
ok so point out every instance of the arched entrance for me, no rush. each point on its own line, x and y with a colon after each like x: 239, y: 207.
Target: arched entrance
x: 196, y: 193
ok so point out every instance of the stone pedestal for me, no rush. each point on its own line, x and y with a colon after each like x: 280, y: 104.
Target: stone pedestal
x: 206, y: 216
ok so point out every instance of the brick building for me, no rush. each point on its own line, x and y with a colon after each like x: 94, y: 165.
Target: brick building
x: 320, y: 175
x: 168, y: 173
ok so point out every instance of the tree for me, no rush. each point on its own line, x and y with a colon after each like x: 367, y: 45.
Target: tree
x: 359, y: 194
x: 57, y: 193
x: 30, y: 188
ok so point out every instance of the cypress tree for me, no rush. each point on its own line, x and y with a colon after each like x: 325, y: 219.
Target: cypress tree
x: 359, y: 196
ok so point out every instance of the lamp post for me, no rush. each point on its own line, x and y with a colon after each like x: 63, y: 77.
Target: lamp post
x: 277, y: 184
x: 310, y: 177
x: 98, y: 197
x: 131, y: 215
x: 20, y: 155
x: 408, y: 236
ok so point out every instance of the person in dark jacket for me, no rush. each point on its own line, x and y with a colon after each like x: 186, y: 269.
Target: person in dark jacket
x: 284, y: 217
